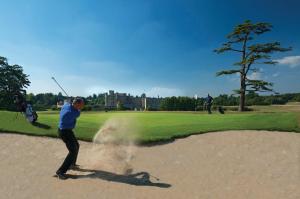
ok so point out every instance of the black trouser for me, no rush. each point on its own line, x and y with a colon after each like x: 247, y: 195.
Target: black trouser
x: 72, y: 144
x: 209, y: 108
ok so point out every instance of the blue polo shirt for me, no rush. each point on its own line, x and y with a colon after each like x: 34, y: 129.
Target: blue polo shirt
x: 68, y: 116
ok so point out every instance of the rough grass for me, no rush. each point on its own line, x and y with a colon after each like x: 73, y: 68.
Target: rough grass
x: 155, y: 126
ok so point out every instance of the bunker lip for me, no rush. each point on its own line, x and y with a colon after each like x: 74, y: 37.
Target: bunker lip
x: 150, y: 143
x: 178, y: 137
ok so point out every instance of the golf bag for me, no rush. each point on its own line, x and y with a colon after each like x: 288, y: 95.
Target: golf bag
x: 26, y: 109
x: 30, y: 114
x: 221, y: 110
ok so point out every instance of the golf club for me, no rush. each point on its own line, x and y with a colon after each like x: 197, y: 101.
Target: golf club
x: 156, y: 178
x: 59, y: 86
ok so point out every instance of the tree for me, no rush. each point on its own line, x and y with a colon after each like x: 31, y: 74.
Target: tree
x: 251, y: 55
x: 12, y: 82
x: 179, y: 103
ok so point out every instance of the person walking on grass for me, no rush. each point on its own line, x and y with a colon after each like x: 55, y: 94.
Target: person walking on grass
x: 208, y: 101
x: 67, y: 121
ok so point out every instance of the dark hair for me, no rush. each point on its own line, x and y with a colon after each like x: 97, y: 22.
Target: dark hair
x: 77, y: 100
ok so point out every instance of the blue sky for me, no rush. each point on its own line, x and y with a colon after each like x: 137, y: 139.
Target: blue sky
x: 160, y: 47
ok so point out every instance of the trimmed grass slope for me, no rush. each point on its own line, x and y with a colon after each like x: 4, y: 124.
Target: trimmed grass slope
x: 154, y: 126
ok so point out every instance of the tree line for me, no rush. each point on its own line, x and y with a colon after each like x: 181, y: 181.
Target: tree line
x: 14, y: 82
x: 44, y: 101
x: 191, y: 104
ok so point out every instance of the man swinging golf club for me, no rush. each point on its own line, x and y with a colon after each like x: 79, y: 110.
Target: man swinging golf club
x: 67, y: 121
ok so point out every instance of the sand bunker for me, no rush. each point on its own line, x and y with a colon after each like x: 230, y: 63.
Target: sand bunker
x: 233, y: 164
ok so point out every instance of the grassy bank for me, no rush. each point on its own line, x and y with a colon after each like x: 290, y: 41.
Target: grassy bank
x: 155, y: 126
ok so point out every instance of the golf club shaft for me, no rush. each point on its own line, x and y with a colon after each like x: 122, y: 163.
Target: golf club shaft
x: 154, y: 177
x: 60, y: 86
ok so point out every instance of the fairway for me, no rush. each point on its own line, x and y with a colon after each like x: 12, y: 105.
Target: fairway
x: 153, y: 126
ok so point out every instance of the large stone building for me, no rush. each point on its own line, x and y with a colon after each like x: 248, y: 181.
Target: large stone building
x: 122, y: 100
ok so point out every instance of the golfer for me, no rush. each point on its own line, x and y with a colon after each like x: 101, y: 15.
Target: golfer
x: 209, y: 100
x: 67, y: 121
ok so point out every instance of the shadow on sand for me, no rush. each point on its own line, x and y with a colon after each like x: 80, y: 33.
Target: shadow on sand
x: 138, y: 179
x: 40, y: 125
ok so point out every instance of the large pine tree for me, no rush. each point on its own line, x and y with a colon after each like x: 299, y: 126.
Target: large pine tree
x: 251, y: 55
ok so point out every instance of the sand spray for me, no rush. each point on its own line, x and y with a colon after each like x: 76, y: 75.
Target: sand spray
x: 113, y: 146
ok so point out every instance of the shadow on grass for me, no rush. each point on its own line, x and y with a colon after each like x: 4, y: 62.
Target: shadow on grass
x: 40, y: 125
x: 138, y: 179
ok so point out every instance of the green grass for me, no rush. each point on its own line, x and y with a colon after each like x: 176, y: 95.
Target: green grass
x: 156, y: 126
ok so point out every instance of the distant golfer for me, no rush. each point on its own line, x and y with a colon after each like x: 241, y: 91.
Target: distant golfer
x: 208, y: 101
x: 67, y: 121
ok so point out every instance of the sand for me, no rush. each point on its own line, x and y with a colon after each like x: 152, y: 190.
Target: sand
x: 233, y: 164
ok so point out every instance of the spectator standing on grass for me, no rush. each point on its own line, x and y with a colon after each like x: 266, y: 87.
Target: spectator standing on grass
x: 67, y: 121
x: 208, y: 101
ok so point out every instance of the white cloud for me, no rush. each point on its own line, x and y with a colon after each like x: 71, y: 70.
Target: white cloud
x: 275, y: 75
x: 255, y: 76
x: 164, y: 92
x: 291, y: 61
x: 150, y: 92
x: 234, y: 78
x: 95, y: 90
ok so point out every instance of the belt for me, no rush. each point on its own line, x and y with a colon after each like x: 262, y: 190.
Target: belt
x: 64, y: 129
